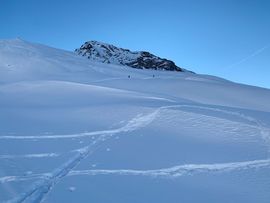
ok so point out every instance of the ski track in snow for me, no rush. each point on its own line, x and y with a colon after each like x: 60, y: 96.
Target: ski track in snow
x: 172, y: 172
x: 176, y: 171
x: 138, y: 121
x: 43, y: 155
x: 6, y: 179
x: 39, y: 190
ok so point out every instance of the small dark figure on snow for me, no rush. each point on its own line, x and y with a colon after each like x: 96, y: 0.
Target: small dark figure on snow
x: 153, y: 76
x: 128, y: 76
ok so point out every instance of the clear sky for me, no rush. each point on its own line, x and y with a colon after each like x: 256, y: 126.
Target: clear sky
x: 226, y: 38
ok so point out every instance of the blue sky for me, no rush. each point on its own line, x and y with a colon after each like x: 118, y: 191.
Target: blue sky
x: 226, y: 38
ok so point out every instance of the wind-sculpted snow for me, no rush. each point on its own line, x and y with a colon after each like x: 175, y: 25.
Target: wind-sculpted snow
x: 48, y: 180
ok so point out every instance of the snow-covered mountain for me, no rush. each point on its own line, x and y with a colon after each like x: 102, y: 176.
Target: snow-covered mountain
x: 107, y: 53
x: 76, y: 130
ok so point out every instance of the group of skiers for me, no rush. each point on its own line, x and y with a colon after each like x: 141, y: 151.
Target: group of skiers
x: 130, y: 76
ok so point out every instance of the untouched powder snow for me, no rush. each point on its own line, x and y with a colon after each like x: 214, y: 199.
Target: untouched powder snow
x: 76, y: 130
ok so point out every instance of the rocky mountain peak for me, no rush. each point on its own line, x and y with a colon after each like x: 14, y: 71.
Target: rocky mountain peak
x: 107, y: 53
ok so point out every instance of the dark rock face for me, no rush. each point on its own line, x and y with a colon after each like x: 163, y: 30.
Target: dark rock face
x: 107, y: 53
x: 149, y: 61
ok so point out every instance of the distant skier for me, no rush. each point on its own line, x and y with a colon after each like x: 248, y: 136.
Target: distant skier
x: 128, y: 76
x: 153, y: 76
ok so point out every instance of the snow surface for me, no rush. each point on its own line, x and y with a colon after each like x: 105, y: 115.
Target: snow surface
x: 74, y: 130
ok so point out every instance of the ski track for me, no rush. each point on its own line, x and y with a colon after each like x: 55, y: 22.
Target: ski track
x: 174, y: 172
x: 138, y: 121
x: 43, y: 155
x: 264, y: 131
x: 41, y: 188
x: 6, y: 179
x: 181, y: 170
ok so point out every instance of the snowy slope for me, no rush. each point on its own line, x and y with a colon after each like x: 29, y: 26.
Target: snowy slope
x: 75, y: 130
